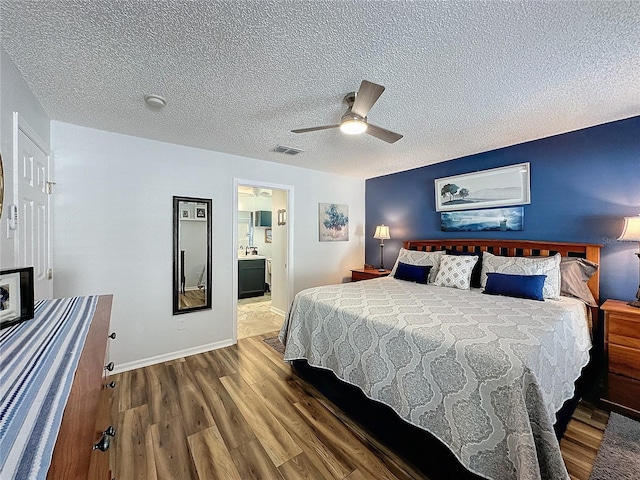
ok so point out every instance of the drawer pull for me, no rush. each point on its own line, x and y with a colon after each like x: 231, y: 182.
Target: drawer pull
x: 110, y: 431
x: 102, y: 445
x: 111, y: 384
x: 112, y: 336
x: 110, y: 366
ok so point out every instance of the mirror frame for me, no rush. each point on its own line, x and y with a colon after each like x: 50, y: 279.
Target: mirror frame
x: 176, y: 240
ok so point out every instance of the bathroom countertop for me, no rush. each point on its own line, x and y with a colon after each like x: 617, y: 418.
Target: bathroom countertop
x: 251, y: 257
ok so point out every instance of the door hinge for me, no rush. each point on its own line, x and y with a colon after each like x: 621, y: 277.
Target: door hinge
x: 49, y: 187
x: 49, y: 273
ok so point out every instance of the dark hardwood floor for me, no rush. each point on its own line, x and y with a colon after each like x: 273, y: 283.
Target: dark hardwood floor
x: 242, y: 413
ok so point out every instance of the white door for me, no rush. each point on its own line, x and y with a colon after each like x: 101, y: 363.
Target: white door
x: 32, y: 237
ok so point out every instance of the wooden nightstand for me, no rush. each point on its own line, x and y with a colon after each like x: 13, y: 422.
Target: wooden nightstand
x: 622, y: 353
x: 367, y: 274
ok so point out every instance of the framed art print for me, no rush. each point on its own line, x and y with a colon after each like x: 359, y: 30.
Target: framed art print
x: 497, y: 187
x: 333, y: 222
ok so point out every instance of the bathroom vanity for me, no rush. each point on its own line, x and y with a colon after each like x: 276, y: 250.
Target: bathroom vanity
x: 251, y: 276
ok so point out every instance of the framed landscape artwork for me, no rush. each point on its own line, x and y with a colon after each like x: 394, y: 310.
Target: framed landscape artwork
x: 510, y: 219
x: 497, y: 187
x: 333, y: 222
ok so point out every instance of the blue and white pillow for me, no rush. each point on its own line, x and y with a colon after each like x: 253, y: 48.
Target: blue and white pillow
x: 549, y: 266
x: 455, y: 271
x: 414, y: 257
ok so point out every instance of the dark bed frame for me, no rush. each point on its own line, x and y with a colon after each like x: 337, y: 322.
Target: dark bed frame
x: 415, y: 446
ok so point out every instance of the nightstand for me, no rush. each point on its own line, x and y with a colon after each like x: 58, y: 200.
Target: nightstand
x: 367, y: 274
x: 622, y: 353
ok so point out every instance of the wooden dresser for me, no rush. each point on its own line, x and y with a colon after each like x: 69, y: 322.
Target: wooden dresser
x: 622, y: 352
x: 86, y: 414
x: 367, y: 274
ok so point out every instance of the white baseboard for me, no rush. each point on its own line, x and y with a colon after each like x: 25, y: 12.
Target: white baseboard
x: 277, y: 311
x: 125, y: 367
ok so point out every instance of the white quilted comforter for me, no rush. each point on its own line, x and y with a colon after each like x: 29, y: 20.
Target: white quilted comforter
x: 484, y: 374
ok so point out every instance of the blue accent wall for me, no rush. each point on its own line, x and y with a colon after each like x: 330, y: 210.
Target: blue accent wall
x: 582, y: 185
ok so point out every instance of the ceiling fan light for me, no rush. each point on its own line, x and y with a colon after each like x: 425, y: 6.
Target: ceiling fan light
x: 353, y: 126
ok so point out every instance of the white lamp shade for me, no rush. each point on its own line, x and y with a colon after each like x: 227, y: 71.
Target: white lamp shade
x: 631, y: 230
x: 382, y: 232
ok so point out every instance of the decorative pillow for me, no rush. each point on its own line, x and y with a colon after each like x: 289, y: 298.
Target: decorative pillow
x: 412, y: 273
x: 549, y: 266
x: 414, y: 257
x: 455, y: 271
x: 477, y: 269
x: 520, y: 286
x: 574, y: 275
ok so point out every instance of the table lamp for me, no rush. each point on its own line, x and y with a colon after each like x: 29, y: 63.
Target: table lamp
x: 631, y: 233
x: 382, y: 233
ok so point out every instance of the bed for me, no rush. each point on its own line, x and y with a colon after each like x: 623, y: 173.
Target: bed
x: 484, y: 374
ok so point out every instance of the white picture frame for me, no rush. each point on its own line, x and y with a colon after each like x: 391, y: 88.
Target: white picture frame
x: 495, y: 187
x: 10, y: 297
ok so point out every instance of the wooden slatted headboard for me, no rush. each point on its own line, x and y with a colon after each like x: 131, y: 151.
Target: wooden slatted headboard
x: 517, y: 248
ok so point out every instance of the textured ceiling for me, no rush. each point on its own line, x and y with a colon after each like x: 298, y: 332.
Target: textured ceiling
x: 460, y: 77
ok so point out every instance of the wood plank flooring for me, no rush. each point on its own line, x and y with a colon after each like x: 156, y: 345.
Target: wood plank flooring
x: 192, y: 298
x: 581, y: 440
x: 241, y: 413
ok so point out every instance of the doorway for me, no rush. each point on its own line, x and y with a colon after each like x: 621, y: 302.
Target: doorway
x: 262, y: 248
x: 32, y: 166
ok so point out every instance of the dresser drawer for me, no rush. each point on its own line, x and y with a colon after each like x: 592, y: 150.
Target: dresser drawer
x: 623, y: 331
x: 623, y: 391
x: 624, y: 360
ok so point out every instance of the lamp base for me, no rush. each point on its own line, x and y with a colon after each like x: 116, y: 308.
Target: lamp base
x: 382, y: 269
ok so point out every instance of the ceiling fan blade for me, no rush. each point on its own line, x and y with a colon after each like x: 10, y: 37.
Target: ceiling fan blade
x: 313, y: 129
x: 383, y: 134
x: 366, y: 97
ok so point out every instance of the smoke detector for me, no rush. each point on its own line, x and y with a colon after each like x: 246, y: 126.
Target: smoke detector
x: 155, y: 101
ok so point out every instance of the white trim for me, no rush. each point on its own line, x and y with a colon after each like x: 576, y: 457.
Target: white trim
x: 234, y: 247
x: 145, y: 362
x: 277, y: 311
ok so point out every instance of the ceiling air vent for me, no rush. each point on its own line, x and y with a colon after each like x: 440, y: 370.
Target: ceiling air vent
x: 287, y: 150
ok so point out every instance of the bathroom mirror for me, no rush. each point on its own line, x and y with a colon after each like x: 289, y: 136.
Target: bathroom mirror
x: 191, y: 254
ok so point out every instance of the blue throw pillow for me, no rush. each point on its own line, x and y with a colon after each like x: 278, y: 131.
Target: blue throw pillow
x: 413, y: 273
x: 520, y: 286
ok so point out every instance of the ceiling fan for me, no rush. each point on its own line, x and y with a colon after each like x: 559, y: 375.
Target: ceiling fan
x: 354, y: 120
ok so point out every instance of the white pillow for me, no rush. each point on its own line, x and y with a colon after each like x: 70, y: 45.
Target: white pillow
x: 414, y: 257
x: 549, y: 266
x: 455, y: 271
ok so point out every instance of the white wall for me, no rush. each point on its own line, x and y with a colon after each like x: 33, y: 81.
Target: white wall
x: 15, y: 96
x: 113, y: 233
x: 252, y: 204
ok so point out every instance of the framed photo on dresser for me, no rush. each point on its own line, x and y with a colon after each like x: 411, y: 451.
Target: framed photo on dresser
x: 16, y: 296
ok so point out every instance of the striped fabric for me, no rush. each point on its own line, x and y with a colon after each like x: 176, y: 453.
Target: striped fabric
x: 38, y: 360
